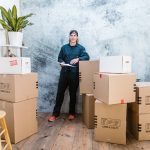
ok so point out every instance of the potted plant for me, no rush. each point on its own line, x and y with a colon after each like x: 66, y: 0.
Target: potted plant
x: 14, y: 24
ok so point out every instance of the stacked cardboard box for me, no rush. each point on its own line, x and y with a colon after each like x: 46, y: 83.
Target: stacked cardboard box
x: 86, y: 72
x: 88, y: 110
x: 110, y: 122
x: 139, y: 112
x: 18, y: 93
x: 113, y: 89
x: 18, y: 98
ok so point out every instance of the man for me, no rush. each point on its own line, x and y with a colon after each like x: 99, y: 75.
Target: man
x: 71, y: 54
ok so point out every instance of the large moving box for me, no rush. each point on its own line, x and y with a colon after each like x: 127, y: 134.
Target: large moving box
x: 142, y: 104
x: 16, y: 88
x: 15, y: 65
x: 115, y: 64
x: 20, y: 118
x: 86, y: 71
x: 110, y: 122
x: 88, y: 110
x: 139, y: 125
x: 114, y: 88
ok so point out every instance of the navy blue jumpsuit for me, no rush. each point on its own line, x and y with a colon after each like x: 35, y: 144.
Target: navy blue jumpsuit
x: 69, y: 76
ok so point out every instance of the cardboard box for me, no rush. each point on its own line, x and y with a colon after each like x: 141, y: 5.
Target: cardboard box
x: 115, y: 64
x: 88, y: 110
x: 15, y: 65
x: 110, y: 122
x: 114, y: 88
x: 20, y: 118
x: 139, y: 125
x: 142, y: 104
x: 86, y: 71
x: 15, y: 88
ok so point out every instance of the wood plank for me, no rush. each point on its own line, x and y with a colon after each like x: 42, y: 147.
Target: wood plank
x: 83, y: 138
x: 118, y: 147
x: 66, y: 136
x: 145, y: 145
x: 132, y: 143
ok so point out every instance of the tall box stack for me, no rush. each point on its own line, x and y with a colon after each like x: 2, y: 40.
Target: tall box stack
x: 86, y: 72
x: 88, y: 110
x: 139, y: 112
x: 113, y: 88
x: 18, y: 95
x: 18, y: 98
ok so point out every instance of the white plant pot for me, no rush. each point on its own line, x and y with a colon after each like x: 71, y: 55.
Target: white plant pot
x: 15, y: 38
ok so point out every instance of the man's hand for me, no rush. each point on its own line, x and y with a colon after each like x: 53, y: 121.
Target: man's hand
x: 61, y: 64
x: 74, y: 61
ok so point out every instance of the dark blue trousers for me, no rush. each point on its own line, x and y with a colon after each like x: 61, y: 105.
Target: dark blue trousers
x: 68, y: 78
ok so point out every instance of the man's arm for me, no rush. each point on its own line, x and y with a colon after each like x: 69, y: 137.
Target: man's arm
x: 84, y: 55
x: 60, y: 56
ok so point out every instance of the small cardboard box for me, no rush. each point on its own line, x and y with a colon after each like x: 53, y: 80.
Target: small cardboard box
x: 15, y: 65
x: 88, y: 110
x: 139, y: 125
x: 142, y: 104
x: 86, y: 71
x: 114, y: 88
x: 15, y: 88
x: 115, y: 64
x: 20, y: 118
x: 110, y: 122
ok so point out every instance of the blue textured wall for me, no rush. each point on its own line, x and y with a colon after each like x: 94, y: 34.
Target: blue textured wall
x: 106, y: 27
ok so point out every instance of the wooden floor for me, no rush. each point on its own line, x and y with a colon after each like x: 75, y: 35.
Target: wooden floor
x: 71, y: 135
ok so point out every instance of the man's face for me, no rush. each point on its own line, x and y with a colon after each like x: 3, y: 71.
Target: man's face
x: 73, y: 38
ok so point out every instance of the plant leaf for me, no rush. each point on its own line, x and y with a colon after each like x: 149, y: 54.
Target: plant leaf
x: 14, y: 12
x: 12, y: 20
x: 5, y: 26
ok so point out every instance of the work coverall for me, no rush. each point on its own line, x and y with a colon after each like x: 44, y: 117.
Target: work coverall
x: 69, y: 76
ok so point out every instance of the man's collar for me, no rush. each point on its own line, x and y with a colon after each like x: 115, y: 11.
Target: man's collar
x: 74, y: 45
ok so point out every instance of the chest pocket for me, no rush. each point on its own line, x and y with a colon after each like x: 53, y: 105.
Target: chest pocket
x: 74, y: 53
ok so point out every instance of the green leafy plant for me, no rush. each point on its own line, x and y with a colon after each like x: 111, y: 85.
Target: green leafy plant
x: 11, y: 22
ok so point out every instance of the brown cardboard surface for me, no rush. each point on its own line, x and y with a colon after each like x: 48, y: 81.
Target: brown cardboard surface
x: 114, y: 88
x: 86, y: 71
x: 88, y: 110
x: 139, y: 125
x: 15, y: 88
x: 20, y: 118
x: 110, y: 122
x: 142, y: 104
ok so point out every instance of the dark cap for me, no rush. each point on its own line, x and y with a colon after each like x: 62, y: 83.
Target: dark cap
x: 73, y: 31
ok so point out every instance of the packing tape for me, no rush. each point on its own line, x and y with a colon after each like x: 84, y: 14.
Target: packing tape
x: 100, y: 75
x: 122, y: 101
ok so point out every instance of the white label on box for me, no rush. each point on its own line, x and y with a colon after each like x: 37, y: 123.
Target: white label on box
x: 13, y: 63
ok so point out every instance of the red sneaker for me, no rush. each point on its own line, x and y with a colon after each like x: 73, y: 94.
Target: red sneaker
x: 52, y: 118
x: 71, y: 117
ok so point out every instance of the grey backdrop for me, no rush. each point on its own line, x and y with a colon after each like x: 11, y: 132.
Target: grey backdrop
x: 106, y: 27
